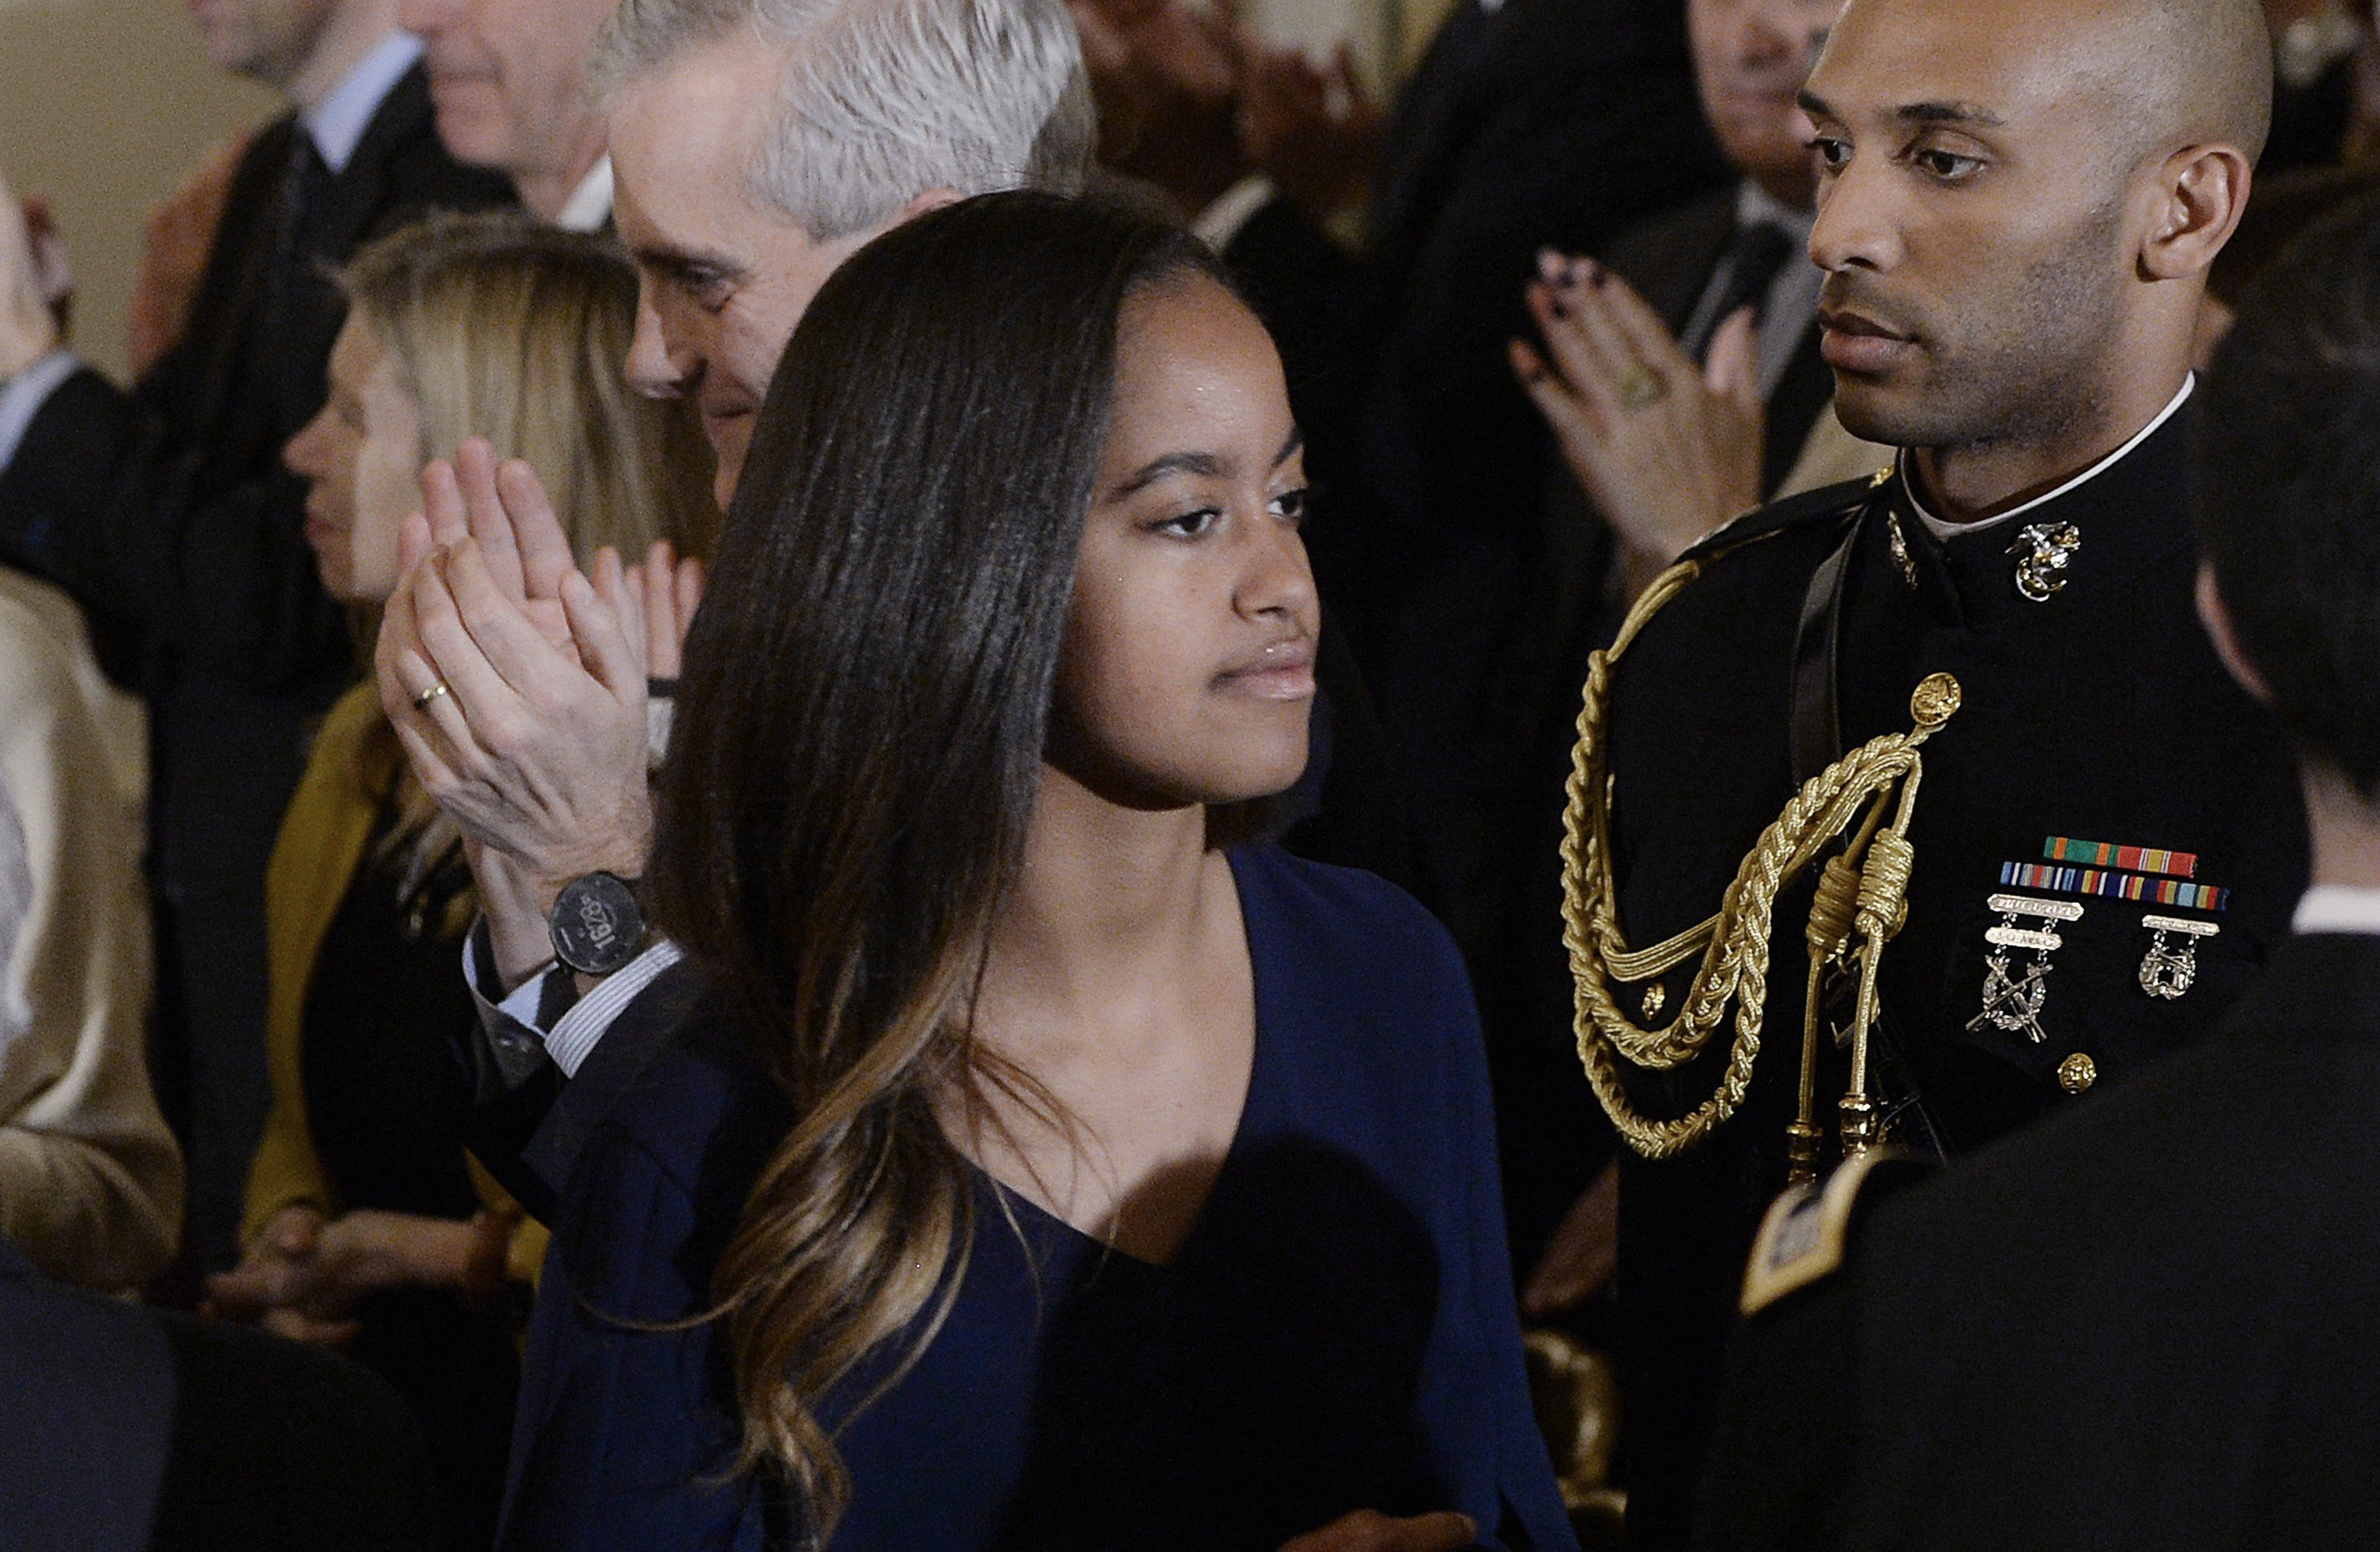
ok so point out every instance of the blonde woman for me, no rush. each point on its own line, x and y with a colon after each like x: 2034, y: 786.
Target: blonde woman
x: 367, y: 1226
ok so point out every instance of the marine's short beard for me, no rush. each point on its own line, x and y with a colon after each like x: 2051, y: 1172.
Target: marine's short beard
x: 2028, y: 355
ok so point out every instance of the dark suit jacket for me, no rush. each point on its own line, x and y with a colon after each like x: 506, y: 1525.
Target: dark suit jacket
x: 123, y: 1427
x: 1529, y: 123
x: 1670, y: 261
x: 166, y: 514
x: 2153, y: 1323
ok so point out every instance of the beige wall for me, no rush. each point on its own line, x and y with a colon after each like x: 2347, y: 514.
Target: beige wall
x: 104, y: 104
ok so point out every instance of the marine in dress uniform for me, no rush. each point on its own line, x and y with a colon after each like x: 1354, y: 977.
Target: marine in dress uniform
x: 2099, y: 838
x: 2153, y: 1322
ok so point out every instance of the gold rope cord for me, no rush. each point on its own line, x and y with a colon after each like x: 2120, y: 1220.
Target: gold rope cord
x: 1864, y: 892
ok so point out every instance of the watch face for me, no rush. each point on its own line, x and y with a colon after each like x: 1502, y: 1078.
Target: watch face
x: 596, y: 924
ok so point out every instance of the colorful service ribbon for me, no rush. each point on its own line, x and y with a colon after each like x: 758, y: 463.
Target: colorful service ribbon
x: 2122, y: 886
x: 2134, y: 859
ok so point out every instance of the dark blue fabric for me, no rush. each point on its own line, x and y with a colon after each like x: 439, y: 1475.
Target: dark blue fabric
x: 1337, y: 1332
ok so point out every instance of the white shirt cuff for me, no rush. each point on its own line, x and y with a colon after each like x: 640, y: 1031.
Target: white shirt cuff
x: 23, y: 396
x: 578, y: 1032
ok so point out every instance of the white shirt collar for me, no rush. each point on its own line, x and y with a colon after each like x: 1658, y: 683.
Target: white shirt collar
x: 590, y: 204
x: 1942, y: 529
x: 2338, y: 908
x: 339, y: 120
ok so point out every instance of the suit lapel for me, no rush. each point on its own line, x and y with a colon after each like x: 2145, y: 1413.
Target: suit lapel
x: 359, y: 195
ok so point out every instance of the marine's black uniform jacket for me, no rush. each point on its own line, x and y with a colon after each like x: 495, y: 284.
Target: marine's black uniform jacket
x: 2100, y: 715
x: 167, y: 515
x: 2153, y: 1322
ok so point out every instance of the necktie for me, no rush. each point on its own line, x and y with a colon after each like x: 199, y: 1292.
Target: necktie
x: 1750, y: 266
x: 304, y: 181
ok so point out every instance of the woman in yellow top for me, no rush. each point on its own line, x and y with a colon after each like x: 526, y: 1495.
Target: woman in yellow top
x: 367, y: 1225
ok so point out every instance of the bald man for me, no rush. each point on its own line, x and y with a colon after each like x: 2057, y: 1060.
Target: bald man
x: 2018, y: 202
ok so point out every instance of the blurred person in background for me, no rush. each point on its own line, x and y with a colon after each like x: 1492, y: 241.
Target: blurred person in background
x: 90, y: 1182
x: 365, y: 1225
x: 165, y: 513
x: 508, y: 80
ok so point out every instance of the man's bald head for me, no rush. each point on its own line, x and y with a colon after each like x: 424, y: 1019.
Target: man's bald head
x: 2193, y: 72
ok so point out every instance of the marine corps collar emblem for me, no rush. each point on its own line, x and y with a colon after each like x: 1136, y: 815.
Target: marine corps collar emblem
x: 2012, y: 996
x: 2043, y: 552
x: 2168, y: 973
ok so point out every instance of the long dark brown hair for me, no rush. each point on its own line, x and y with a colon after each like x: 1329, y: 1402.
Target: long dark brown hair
x: 860, y: 738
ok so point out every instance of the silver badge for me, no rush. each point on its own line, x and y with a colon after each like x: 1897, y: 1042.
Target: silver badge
x: 2013, y: 995
x: 1900, y: 556
x: 2167, y: 972
x: 2043, y: 551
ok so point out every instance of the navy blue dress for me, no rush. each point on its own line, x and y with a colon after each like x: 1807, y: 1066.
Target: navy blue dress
x: 1337, y: 1332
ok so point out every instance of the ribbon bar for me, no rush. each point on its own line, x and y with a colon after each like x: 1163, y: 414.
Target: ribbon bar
x: 2122, y: 886
x: 2133, y: 859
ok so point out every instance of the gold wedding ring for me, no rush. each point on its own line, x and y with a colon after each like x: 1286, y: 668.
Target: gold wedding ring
x: 421, y: 702
x: 1641, y: 387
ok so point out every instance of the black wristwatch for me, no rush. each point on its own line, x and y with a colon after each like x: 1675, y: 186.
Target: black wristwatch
x: 597, y: 925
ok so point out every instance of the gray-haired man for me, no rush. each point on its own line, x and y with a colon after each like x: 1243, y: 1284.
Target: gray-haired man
x: 756, y: 145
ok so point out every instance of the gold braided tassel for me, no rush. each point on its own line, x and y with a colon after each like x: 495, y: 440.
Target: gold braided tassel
x: 1862, y: 892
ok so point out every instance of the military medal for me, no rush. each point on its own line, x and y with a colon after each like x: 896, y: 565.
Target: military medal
x: 2167, y: 973
x: 2012, y: 996
x: 2043, y: 551
x: 1900, y: 556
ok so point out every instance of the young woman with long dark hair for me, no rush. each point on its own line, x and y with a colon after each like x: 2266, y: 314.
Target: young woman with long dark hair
x: 1043, y: 1172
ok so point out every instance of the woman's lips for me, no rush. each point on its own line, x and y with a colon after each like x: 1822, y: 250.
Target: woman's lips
x: 1283, y: 670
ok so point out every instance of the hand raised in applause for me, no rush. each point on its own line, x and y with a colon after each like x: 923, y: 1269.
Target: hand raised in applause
x: 1668, y: 450
x: 176, y: 240
x: 1316, y: 135
x: 1370, y: 1530
x: 32, y: 287
x: 538, y: 745
x: 305, y: 1273
x: 1167, y: 82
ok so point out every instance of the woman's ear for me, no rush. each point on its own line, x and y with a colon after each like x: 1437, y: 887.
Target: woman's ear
x: 2217, y: 620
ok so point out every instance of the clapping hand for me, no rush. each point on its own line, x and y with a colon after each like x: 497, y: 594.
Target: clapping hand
x: 1167, y: 81
x: 537, y: 742
x: 33, y: 289
x: 1668, y: 450
x: 1316, y: 135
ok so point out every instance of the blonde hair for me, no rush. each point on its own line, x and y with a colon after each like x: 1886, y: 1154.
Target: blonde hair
x: 501, y: 329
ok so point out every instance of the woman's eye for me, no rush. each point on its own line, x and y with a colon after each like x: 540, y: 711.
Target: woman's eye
x: 1190, y: 524
x: 1289, y: 504
x: 1832, y: 153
